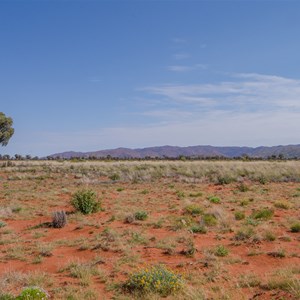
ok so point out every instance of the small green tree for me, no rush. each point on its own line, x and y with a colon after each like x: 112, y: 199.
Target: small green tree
x: 6, y: 130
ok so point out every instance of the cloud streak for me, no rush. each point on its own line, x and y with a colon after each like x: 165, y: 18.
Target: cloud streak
x: 244, y: 92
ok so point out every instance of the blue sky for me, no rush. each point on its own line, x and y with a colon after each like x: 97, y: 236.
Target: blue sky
x: 91, y: 75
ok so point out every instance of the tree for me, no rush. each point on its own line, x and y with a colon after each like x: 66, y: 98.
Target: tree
x: 6, y: 130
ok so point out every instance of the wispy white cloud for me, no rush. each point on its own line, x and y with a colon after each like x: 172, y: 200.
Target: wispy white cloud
x: 186, y: 68
x: 178, y: 40
x: 243, y: 92
x: 181, y: 56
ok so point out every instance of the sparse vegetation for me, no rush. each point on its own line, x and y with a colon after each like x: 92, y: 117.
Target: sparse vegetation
x: 59, y: 219
x: 184, y: 230
x: 141, y: 215
x: 86, y: 202
x: 295, y: 227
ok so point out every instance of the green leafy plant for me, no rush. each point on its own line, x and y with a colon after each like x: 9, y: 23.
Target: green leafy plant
x: 156, y: 279
x: 86, y: 201
x: 221, y: 250
x: 141, y: 215
x: 32, y: 293
x: 214, y: 199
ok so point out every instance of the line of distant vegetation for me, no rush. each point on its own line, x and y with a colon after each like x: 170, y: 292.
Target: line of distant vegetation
x: 274, y: 157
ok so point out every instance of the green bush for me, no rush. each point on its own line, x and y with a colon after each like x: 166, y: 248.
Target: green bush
x: 2, y: 224
x: 198, y: 229
x: 209, y: 220
x: 141, y: 215
x: 295, y: 227
x: 32, y: 293
x: 156, y: 279
x: 86, y: 201
x: 265, y: 214
x: 239, y: 215
x: 221, y: 251
x: 214, y: 199
x: 193, y: 209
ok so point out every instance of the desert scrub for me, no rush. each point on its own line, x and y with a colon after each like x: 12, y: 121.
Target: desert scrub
x: 244, y: 234
x: 32, y: 293
x: 295, y: 227
x: 214, y: 199
x: 86, y: 202
x: 59, y: 219
x: 6, y: 297
x: 2, y: 224
x: 239, y: 215
x: 208, y: 220
x: 193, y: 209
x: 264, y: 214
x: 156, y: 279
x: 141, y: 215
x: 221, y: 251
x: 197, y: 228
x: 283, y: 204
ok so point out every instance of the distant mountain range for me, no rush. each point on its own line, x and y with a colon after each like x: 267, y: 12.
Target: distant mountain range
x: 289, y: 151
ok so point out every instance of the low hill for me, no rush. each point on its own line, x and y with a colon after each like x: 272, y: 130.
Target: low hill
x: 289, y: 151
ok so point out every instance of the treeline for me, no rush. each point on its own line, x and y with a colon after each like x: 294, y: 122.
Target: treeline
x: 245, y: 157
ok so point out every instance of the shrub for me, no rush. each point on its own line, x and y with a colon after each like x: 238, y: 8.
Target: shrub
x: 283, y: 204
x: 156, y: 279
x: 198, y: 229
x: 239, y: 215
x: 270, y: 236
x: 242, y: 187
x: 6, y: 297
x: 225, y: 180
x: 262, y: 179
x: 208, y: 220
x: 195, y: 195
x: 129, y: 218
x: 59, y: 219
x: 85, y: 201
x: 193, y: 209
x: 141, y: 215
x: 114, y: 177
x: 244, y: 234
x: 32, y: 293
x: 2, y: 224
x: 180, y: 194
x: 221, y: 251
x: 214, y: 199
x: 265, y: 214
x: 295, y: 227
